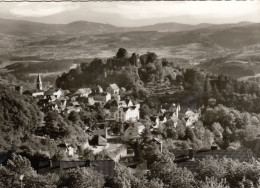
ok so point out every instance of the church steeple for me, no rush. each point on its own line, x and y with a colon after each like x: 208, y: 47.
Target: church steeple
x: 39, y: 82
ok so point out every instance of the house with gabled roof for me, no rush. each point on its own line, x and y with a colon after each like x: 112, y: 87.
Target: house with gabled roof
x: 123, y: 114
x: 132, y: 131
x: 56, y: 93
x: 113, y: 89
x: 101, y: 98
x: 97, y: 89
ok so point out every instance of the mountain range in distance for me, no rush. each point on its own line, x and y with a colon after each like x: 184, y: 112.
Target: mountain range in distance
x: 28, y: 28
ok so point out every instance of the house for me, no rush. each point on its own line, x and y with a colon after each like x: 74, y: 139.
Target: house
x: 34, y: 92
x: 129, y: 102
x: 68, y: 149
x: 37, y: 93
x: 170, y: 107
x: 113, y: 89
x: 116, y: 104
x: 102, y: 98
x: 97, y: 89
x: 126, y: 113
x: 57, y: 93
x: 132, y: 131
x: 83, y: 92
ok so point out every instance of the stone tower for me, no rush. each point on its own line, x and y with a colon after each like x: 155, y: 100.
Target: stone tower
x: 39, y: 82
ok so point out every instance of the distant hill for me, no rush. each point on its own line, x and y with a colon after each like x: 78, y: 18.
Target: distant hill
x: 171, y: 27
x: 27, y: 28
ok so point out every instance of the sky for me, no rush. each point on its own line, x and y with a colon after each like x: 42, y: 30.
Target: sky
x: 134, y: 13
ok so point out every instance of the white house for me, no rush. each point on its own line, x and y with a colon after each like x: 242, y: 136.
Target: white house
x: 57, y: 93
x: 113, y: 89
x: 123, y: 114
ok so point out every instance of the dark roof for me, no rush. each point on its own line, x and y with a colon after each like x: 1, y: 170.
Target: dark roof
x: 113, y: 103
x: 182, y: 159
x: 125, y: 109
x: 127, y: 100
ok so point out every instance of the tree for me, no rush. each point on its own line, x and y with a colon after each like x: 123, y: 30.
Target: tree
x: 81, y: 178
x: 145, y: 111
x: 234, y: 173
x: 151, y: 57
x: 129, y: 178
x: 214, y: 182
x: 121, y: 53
x: 207, y: 89
x: 172, y: 176
x: 17, y: 166
x: 189, y: 134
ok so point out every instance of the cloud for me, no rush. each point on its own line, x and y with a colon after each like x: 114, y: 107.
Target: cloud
x: 148, y: 10
x: 36, y: 9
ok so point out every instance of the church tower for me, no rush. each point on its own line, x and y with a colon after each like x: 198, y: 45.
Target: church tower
x: 39, y: 82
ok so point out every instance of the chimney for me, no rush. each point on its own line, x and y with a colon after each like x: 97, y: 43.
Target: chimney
x: 191, y: 152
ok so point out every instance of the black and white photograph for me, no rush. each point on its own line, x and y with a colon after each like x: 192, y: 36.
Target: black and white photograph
x: 130, y: 94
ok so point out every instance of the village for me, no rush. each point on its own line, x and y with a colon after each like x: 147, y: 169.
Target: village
x: 125, y: 132
x: 122, y: 112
